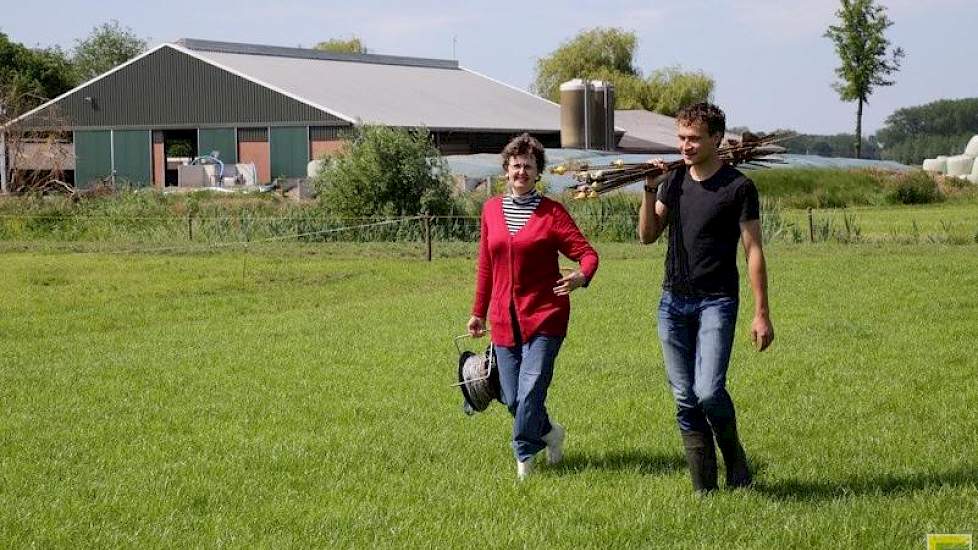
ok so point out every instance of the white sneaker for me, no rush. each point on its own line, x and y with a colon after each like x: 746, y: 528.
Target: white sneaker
x: 555, y: 443
x: 524, y: 469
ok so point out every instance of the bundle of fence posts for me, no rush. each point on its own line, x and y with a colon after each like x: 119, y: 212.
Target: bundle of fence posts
x: 594, y: 180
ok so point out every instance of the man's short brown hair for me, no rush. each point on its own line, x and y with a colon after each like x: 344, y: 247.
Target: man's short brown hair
x: 523, y: 145
x: 707, y: 113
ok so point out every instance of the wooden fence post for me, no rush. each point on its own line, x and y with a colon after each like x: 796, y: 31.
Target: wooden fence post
x: 190, y: 225
x: 427, y: 233
x: 811, y: 226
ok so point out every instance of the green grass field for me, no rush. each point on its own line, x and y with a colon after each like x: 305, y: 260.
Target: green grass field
x: 299, y: 396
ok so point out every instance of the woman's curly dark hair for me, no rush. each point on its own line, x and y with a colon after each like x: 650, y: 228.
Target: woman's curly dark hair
x: 522, y: 145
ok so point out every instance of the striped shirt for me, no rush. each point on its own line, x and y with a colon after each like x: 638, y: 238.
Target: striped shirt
x: 517, y: 210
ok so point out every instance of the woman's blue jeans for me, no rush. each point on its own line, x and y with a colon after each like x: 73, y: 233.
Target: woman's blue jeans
x: 697, y: 338
x: 525, y: 372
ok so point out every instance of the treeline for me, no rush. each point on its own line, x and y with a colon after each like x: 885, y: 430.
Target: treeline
x: 838, y: 145
x: 926, y: 131
x: 909, y: 135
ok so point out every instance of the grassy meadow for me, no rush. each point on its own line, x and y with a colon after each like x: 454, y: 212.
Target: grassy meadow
x: 298, y: 396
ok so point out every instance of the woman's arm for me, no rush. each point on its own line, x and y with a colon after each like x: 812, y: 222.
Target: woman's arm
x: 573, y: 244
x: 483, y: 282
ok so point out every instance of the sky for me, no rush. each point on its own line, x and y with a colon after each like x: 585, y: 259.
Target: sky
x: 772, y: 65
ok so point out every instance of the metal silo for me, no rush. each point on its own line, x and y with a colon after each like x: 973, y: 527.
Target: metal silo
x: 602, y: 108
x: 575, y: 114
x: 604, y: 131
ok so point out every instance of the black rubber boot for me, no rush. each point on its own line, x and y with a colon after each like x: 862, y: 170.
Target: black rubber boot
x: 734, y: 457
x: 701, y: 456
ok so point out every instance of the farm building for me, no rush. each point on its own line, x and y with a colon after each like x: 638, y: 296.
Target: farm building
x: 271, y: 106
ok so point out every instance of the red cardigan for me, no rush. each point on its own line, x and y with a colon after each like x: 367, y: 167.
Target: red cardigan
x: 523, y: 269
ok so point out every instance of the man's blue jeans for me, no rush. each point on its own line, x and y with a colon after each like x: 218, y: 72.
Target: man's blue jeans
x: 525, y: 372
x: 697, y: 337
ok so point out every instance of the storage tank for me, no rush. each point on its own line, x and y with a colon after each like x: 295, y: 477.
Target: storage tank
x: 575, y: 112
x: 603, y: 131
x: 596, y: 115
x: 607, y: 94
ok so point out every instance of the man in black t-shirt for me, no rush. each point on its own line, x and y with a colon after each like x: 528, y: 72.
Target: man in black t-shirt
x: 708, y: 206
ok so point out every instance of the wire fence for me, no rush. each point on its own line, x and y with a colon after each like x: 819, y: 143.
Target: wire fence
x: 195, y: 232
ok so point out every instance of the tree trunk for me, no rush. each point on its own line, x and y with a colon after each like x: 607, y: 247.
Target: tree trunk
x: 859, y: 128
x: 3, y: 163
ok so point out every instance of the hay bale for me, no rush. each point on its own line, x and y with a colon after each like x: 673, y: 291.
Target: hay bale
x: 938, y: 165
x: 972, y: 148
x: 960, y: 165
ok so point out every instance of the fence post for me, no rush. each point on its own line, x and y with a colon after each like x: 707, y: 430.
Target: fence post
x: 811, y: 226
x: 190, y: 225
x: 845, y: 219
x: 427, y: 233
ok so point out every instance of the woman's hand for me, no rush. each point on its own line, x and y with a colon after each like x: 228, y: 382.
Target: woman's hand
x: 476, y: 326
x: 567, y: 284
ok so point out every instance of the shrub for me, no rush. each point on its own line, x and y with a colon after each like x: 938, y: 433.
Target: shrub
x: 914, y: 187
x: 386, y: 172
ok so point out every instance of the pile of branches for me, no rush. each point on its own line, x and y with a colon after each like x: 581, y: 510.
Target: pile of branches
x: 594, y: 180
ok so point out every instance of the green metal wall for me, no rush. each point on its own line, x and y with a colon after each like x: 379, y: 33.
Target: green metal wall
x: 222, y: 140
x: 133, y: 156
x: 289, y: 151
x: 170, y: 89
x: 93, y: 157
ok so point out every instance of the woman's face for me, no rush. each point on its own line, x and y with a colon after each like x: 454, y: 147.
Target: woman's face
x: 522, y: 173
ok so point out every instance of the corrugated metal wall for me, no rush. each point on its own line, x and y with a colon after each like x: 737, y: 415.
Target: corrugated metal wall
x: 93, y: 157
x: 132, y: 156
x: 290, y: 151
x: 170, y: 89
x: 222, y: 140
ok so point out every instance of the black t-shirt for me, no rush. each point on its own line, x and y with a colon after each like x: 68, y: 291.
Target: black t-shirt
x: 702, y: 256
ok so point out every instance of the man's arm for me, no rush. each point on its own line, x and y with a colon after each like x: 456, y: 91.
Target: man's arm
x: 651, y: 215
x: 761, y: 329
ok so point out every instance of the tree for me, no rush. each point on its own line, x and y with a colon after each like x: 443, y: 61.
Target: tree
x: 865, y: 53
x: 108, y: 45
x: 670, y: 89
x: 606, y: 54
x: 388, y: 172
x: 338, y: 45
x: 29, y: 77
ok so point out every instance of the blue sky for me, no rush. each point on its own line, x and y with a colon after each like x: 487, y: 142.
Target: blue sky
x: 772, y: 66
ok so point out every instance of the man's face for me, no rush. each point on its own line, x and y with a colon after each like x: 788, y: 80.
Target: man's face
x: 522, y: 173
x: 696, y: 144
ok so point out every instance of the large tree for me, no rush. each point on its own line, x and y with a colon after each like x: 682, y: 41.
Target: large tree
x: 108, y: 45
x: 338, y: 45
x: 596, y: 53
x: 29, y: 77
x: 670, y: 89
x: 865, y: 53
x: 607, y: 54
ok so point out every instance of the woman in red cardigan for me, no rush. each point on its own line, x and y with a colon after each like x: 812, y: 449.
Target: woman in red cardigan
x: 519, y: 284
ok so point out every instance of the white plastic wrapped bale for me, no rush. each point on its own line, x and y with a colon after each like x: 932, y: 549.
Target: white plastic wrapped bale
x: 314, y: 166
x: 247, y: 173
x: 973, y: 177
x: 972, y: 148
x: 959, y: 165
x: 938, y: 165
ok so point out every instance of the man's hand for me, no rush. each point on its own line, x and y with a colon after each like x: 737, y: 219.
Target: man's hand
x: 476, y: 326
x: 565, y: 285
x: 761, y: 332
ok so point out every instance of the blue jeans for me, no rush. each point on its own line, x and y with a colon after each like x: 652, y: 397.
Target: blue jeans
x: 697, y: 337
x: 525, y: 372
